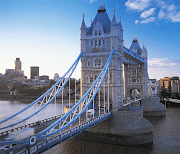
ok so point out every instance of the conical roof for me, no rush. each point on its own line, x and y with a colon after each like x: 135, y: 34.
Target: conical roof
x: 135, y: 46
x: 83, y: 25
x: 103, y: 18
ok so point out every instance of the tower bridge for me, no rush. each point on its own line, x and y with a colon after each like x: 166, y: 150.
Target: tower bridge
x: 109, y: 73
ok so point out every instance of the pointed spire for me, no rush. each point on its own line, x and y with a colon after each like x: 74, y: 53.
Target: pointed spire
x: 119, y: 23
x: 119, y: 19
x: 83, y: 25
x: 113, y: 19
x: 144, y: 47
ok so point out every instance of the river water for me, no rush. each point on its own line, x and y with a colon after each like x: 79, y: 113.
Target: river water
x: 166, y: 135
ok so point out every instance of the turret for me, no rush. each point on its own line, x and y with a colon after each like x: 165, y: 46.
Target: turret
x: 120, y: 29
x: 83, y: 32
x: 83, y: 29
x: 114, y: 32
x: 144, y: 51
x: 114, y: 26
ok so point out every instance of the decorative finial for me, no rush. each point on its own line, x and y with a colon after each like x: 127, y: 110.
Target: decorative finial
x: 119, y: 18
x: 91, y: 21
x: 83, y: 16
x: 113, y: 11
x: 134, y: 36
x: 101, y: 2
x: 127, y: 46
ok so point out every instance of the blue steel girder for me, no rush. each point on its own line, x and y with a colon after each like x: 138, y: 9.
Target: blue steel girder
x: 79, y: 108
x: 133, y: 57
x: 47, y: 96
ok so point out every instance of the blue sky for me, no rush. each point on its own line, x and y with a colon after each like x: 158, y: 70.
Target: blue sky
x: 45, y: 33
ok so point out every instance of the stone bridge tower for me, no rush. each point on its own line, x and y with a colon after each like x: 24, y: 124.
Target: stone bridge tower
x: 97, y: 42
x: 125, y: 126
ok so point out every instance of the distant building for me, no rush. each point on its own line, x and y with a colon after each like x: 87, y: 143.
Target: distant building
x: 9, y: 71
x: 34, y: 71
x: 36, y: 83
x: 17, y: 65
x: 1, y: 75
x: 56, y: 77
x: 170, y: 84
x: 43, y: 77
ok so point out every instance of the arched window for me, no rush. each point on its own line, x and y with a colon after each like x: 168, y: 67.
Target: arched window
x: 99, y: 32
x: 95, y: 32
x: 97, y: 62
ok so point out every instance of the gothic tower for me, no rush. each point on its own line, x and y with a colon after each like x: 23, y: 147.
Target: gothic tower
x: 135, y: 74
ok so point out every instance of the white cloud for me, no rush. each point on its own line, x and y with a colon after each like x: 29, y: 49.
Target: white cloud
x: 137, y: 21
x: 161, y: 15
x: 163, y: 67
x: 91, y: 1
x: 176, y: 17
x: 138, y: 5
x: 147, y: 20
x: 169, y: 12
x: 166, y: 10
x: 147, y: 13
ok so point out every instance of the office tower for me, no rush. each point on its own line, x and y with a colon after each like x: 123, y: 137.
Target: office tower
x: 17, y: 65
x: 34, y: 71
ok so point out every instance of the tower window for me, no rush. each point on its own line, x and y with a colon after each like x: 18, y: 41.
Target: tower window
x: 133, y: 71
x: 103, y: 41
x: 91, y: 79
x: 97, y: 62
x: 91, y: 42
x: 95, y: 32
x: 133, y: 79
x: 95, y: 42
x: 95, y: 77
x: 99, y: 42
x: 88, y: 64
x: 99, y: 32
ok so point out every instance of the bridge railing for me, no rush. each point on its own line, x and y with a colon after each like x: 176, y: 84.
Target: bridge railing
x: 79, y: 108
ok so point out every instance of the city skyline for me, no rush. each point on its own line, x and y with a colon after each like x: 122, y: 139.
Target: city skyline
x: 46, y: 33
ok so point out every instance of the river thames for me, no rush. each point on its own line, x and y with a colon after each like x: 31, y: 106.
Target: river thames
x: 166, y: 135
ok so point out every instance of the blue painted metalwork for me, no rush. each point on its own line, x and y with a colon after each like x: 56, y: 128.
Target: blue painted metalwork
x: 89, y: 95
x: 71, y: 69
x: 42, y: 146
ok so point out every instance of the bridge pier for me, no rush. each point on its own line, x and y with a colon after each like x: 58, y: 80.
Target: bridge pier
x: 125, y: 127
x: 153, y: 107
